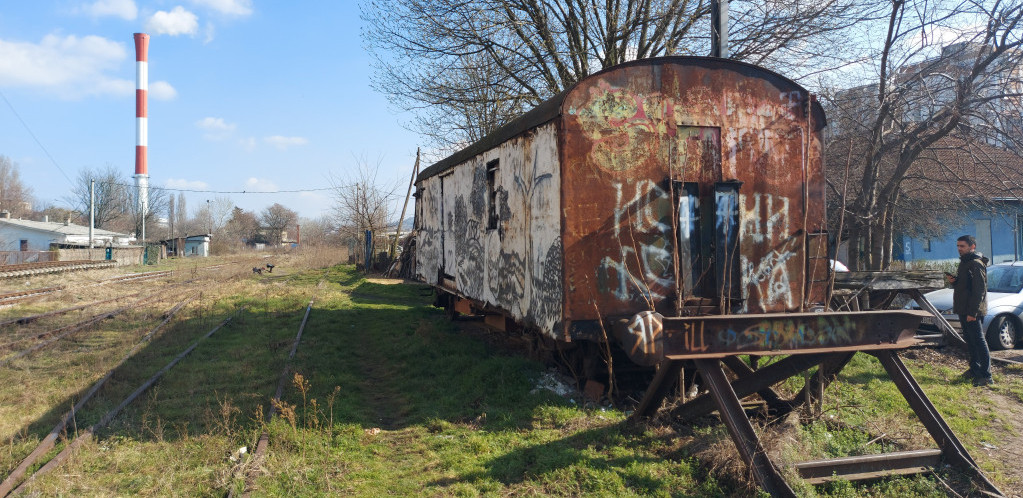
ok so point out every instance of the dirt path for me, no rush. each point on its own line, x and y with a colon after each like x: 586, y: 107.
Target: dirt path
x: 1009, y: 449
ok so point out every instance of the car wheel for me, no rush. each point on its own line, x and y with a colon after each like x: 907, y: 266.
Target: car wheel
x: 1003, y: 333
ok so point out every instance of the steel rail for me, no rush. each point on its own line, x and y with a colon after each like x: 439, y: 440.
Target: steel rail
x: 65, y: 331
x: 50, y: 440
x: 14, y: 297
x: 264, y: 437
x: 31, y: 318
x: 88, y: 433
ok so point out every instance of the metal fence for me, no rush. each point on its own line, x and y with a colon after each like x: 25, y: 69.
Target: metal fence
x: 18, y: 257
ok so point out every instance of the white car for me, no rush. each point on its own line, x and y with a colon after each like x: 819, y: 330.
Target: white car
x: 1003, y: 324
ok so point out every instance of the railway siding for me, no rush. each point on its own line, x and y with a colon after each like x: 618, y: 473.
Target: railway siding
x: 394, y: 399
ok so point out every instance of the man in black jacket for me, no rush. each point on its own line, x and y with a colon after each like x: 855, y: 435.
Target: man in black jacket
x: 969, y: 301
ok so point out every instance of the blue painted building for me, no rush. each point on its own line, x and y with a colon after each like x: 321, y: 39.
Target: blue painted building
x: 997, y: 230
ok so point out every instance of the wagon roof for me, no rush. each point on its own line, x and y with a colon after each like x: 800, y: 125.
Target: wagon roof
x: 551, y: 108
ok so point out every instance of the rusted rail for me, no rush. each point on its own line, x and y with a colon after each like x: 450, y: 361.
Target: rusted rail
x: 89, y: 432
x: 59, y: 333
x: 24, y: 269
x: 264, y: 437
x: 31, y: 318
x: 50, y: 440
x: 18, y: 296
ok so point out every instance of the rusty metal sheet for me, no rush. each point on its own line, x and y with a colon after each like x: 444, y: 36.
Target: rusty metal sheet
x: 634, y: 138
x: 648, y: 337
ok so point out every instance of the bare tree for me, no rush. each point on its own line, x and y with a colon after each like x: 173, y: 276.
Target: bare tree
x: 497, y: 58
x: 181, y: 224
x: 15, y: 197
x: 318, y: 232
x: 275, y: 220
x: 112, y: 195
x: 220, y: 208
x: 158, y: 200
x: 242, y: 227
x: 362, y: 202
x: 921, y: 94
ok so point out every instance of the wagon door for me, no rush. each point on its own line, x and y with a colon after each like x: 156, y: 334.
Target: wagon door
x: 707, y: 220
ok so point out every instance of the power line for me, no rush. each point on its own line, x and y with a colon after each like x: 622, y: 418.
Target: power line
x: 41, y: 146
x: 170, y: 189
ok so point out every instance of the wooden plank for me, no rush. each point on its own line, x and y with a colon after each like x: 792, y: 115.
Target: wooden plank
x: 890, y: 280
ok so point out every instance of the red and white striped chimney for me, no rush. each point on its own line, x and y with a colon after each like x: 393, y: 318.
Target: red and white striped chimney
x: 142, y: 120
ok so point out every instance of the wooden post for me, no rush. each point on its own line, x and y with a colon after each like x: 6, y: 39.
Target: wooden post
x: 411, y: 181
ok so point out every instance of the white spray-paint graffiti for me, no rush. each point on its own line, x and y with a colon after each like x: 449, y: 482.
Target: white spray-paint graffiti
x: 647, y: 240
x: 766, y: 221
x: 774, y: 225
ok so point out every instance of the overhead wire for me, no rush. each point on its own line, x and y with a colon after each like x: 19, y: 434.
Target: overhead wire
x: 201, y: 191
x: 172, y: 189
x: 33, y: 135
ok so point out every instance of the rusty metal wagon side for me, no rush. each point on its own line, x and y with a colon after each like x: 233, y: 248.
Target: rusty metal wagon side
x: 674, y: 206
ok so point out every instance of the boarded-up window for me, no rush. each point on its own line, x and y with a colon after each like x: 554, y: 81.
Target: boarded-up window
x: 492, y: 214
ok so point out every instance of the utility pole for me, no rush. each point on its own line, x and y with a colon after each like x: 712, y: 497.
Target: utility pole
x: 719, y: 28
x: 92, y: 211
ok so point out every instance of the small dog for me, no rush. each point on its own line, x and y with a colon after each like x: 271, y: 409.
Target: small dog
x: 257, y: 270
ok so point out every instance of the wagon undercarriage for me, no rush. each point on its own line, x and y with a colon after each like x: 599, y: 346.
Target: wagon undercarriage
x: 878, y: 333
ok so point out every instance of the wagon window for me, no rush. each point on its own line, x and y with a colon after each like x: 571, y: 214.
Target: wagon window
x: 492, y: 194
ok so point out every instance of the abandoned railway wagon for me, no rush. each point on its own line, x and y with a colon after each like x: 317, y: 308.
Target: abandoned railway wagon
x: 676, y: 206
x: 679, y: 185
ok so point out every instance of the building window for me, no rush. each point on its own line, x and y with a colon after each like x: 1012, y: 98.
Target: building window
x: 492, y: 194
x: 926, y: 245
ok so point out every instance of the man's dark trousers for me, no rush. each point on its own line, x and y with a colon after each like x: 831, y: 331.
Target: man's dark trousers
x: 980, y: 357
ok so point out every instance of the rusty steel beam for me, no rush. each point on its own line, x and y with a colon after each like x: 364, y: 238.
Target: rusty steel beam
x: 858, y: 468
x: 939, y: 320
x: 758, y: 381
x: 829, y: 369
x: 741, y: 369
x: 650, y: 337
x: 664, y: 380
x: 953, y: 451
x: 746, y: 440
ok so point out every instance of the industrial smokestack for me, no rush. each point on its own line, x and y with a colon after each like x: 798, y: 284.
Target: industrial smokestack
x: 142, y: 123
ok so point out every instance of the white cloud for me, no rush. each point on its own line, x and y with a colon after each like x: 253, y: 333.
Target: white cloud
x: 254, y: 184
x: 248, y: 144
x: 215, y: 128
x: 161, y: 90
x: 186, y: 184
x: 125, y: 9
x: 283, y: 143
x: 176, y: 22
x: 69, y: 65
x: 229, y: 7
x: 208, y: 33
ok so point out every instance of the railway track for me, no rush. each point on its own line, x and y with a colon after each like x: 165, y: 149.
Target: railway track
x: 50, y: 337
x: 264, y: 437
x: 24, y: 269
x: 18, y: 296
x: 17, y: 480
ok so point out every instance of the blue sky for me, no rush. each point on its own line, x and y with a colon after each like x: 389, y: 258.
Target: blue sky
x: 244, y: 95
